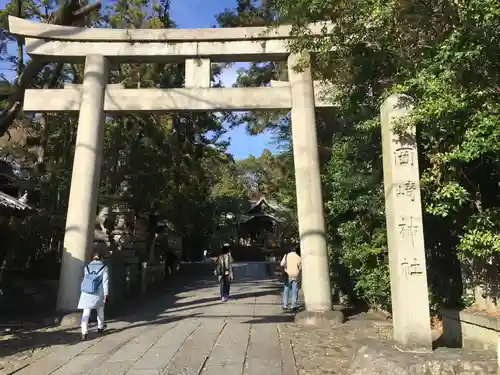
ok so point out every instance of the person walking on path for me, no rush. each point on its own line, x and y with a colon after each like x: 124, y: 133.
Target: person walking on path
x: 94, y: 293
x: 292, y: 266
x: 225, y: 271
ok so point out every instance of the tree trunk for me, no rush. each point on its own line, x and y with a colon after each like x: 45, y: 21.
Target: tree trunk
x: 44, y: 123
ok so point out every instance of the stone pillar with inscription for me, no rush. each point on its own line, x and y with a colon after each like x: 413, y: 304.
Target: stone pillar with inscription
x: 410, y: 298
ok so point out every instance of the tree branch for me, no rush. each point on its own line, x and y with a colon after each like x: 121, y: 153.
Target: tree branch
x: 67, y: 14
x: 86, y: 10
x: 20, y: 58
x: 76, y: 77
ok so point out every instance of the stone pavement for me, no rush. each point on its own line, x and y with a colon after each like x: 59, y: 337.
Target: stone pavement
x: 187, y: 331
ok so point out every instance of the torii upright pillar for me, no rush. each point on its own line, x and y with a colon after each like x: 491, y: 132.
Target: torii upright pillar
x: 315, y: 274
x: 85, y: 178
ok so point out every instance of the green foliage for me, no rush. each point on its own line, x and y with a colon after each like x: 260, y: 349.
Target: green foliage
x: 481, y: 236
x: 163, y: 164
x: 268, y: 174
x: 356, y: 213
x: 445, y: 56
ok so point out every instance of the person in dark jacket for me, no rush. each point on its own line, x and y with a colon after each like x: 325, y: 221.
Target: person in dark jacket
x: 225, y: 271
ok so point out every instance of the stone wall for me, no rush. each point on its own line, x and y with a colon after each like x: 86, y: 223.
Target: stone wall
x: 478, y: 326
x: 383, y: 359
x: 481, y: 282
x: 469, y: 329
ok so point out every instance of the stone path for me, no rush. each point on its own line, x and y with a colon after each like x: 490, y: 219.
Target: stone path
x: 187, y: 332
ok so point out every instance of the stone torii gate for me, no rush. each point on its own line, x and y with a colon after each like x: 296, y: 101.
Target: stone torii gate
x: 198, y: 48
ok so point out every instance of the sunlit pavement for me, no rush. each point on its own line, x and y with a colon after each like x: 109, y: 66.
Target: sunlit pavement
x: 186, y: 331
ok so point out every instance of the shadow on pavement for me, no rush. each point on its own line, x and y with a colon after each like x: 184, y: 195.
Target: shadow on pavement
x: 267, y: 319
x: 164, y: 303
x: 143, y: 310
x: 42, y: 339
x: 274, y: 319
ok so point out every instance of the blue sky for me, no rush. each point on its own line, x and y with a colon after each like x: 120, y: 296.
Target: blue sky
x: 201, y: 13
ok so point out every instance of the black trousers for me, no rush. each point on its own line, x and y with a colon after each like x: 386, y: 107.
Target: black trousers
x: 225, y: 284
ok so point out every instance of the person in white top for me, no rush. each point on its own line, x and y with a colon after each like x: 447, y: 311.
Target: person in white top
x: 292, y: 265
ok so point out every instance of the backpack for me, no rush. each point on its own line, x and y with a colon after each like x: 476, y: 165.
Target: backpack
x: 91, y: 280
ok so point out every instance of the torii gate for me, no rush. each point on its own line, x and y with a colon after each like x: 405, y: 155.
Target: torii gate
x: 198, y: 48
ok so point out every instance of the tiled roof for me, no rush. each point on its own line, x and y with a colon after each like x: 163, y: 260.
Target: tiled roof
x: 245, y: 218
x: 12, y: 203
x: 275, y: 206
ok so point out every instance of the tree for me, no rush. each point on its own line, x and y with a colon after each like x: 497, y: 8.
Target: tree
x: 441, y: 55
x: 69, y: 12
x: 159, y: 165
